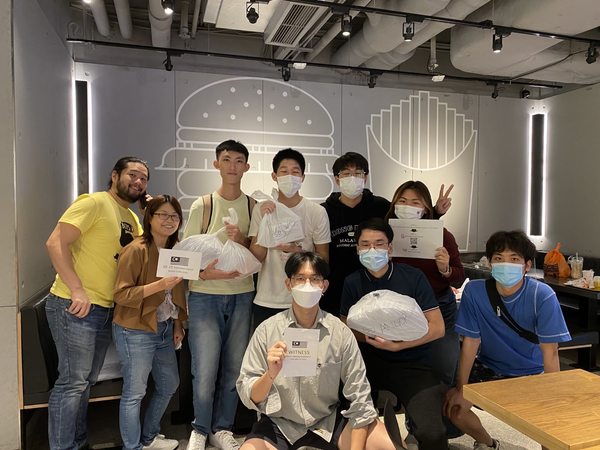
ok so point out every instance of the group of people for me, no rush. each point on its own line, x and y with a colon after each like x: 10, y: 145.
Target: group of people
x: 104, y: 257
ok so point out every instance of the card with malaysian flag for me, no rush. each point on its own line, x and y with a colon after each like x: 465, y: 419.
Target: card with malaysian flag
x: 302, y: 346
x: 178, y: 263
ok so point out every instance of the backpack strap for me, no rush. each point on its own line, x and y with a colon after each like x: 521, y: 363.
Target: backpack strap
x: 501, y: 311
x: 251, y: 204
x: 206, y: 212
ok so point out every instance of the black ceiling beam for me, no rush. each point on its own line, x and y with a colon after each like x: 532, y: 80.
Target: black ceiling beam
x: 486, y: 24
x: 285, y: 62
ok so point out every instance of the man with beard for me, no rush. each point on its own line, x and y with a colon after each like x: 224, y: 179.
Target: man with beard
x: 83, y: 248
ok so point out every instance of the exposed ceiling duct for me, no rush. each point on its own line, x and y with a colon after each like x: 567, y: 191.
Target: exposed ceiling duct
x: 160, y: 24
x: 100, y: 17
x: 471, y: 47
x: 290, y: 22
x: 124, y: 18
x: 456, y: 9
x: 381, y: 33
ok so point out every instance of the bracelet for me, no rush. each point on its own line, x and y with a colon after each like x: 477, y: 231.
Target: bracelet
x: 447, y: 272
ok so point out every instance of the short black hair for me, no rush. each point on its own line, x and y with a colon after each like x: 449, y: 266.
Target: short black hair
x: 289, y: 153
x: 298, y: 259
x: 232, y: 146
x: 374, y: 224
x: 516, y: 240
x: 350, y: 159
x: 121, y: 165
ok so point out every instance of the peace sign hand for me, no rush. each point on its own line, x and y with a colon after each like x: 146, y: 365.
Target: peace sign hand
x: 444, y: 201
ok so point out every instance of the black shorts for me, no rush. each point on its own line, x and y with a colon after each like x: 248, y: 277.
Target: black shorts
x: 480, y: 373
x: 266, y: 429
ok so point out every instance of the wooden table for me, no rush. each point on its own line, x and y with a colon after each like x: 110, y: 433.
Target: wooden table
x: 559, y: 410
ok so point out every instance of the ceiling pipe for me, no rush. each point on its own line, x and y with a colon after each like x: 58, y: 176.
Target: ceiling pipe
x: 160, y: 24
x: 100, y: 17
x: 184, y: 31
x: 124, y: 18
x: 456, y: 9
x: 382, y: 33
x: 471, y: 47
x: 333, y: 31
x: 195, y: 18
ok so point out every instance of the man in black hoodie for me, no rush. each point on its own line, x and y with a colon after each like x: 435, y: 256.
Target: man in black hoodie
x: 346, y: 209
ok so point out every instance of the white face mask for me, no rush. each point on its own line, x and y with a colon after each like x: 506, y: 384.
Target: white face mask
x: 289, y: 185
x: 352, y: 187
x: 307, y: 295
x: 408, y: 212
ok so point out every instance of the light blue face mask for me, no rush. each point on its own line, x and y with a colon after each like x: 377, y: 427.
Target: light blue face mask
x: 507, y: 274
x: 374, y: 258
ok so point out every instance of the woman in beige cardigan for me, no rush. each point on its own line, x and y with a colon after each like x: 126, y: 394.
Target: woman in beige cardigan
x: 147, y: 326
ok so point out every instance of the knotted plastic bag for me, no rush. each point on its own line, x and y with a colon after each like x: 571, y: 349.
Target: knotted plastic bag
x: 208, y: 244
x: 555, y: 264
x: 387, y: 314
x: 282, y: 226
x: 234, y: 256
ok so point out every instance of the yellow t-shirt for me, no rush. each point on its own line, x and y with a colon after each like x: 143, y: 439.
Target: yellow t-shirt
x: 105, y: 227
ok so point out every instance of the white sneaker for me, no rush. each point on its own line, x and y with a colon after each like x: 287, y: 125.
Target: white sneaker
x: 224, y: 440
x: 197, y: 441
x: 480, y: 446
x: 160, y: 442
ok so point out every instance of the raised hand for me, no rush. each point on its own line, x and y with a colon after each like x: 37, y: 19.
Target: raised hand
x: 444, y: 201
x: 275, y: 357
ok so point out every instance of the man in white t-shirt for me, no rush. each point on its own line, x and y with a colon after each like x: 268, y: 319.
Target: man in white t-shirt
x: 271, y: 294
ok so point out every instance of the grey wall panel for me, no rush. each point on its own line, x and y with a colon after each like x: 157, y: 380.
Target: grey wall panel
x: 43, y: 144
x: 574, y: 164
x: 176, y: 119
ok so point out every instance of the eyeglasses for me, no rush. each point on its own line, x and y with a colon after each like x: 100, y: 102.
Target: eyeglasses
x: 376, y: 244
x: 315, y: 280
x: 349, y: 173
x: 164, y: 216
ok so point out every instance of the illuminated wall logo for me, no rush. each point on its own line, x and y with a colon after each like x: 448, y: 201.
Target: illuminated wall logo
x: 267, y: 116
x: 422, y: 138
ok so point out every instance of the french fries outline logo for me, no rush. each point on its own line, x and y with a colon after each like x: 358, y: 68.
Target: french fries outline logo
x: 422, y: 138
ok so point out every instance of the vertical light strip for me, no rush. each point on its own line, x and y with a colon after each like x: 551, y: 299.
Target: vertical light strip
x: 91, y: 155
x: 74, y: 149
x: 537, y: 175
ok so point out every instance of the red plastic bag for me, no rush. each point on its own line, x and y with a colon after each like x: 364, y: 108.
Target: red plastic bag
x: 555, y: 264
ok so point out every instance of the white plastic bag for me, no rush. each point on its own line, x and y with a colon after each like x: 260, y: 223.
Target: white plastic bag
x: 387, y: 314
x: 208, y: 244
x: 236, y: 257
x: 282, y: 226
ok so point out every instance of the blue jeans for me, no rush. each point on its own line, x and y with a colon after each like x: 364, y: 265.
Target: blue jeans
x: 81, y: 345
x: 219, y: 329
x: 142, y: 352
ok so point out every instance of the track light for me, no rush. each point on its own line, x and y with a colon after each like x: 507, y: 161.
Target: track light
x: 167, y: 6
x: 591, y: 55
x: 373, y: 75
x: 525, y: 93
x: 286, y: 73
x: 251, y: 13
x: 346, y: 24
x: 495, y: 92
x: 87, y: 2
x: 168, y: 64
x: 497, y: 42
x: 408, y: 30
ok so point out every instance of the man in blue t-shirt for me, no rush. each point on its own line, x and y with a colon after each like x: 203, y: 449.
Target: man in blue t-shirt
x: 400, y: 367
x: 532, y: 305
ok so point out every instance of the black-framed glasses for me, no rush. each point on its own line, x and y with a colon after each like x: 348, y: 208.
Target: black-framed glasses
x: 314, y: 280
x: 164, y: 216
x: 350, y: 173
